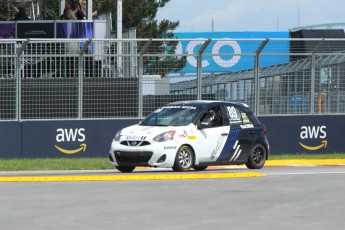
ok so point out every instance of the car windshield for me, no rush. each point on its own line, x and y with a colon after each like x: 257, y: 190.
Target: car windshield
x: 174, y: 115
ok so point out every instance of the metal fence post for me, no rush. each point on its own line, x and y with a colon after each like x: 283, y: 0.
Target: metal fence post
x: 80, y: 78
x: 257, y: 75
x: 140, y: 93
x: 141, y: 73
x: 312, y: 87
x: 199, y: 68
x: 17, y: 70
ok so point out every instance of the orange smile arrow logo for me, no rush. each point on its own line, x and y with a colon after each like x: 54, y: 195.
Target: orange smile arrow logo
x: 73, y: 151
x: 323, y: 145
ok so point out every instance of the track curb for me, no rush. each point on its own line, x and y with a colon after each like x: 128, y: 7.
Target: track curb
x: 128, y: 177
x: 21, y: 177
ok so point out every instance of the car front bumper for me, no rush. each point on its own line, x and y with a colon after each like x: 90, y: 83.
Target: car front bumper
x: 157, y: 155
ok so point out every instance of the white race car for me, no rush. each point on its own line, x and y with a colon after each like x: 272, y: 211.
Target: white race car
x: 192, y: 134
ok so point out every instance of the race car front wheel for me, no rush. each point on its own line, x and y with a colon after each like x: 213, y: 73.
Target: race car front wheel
x: 125, y: 169
x: 184, y: 159
x: 257, y: 157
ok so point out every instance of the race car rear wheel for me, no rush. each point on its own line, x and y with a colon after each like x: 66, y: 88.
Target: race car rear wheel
x: 257, y: 157
x: 125, y: 169
x: 184, y: 159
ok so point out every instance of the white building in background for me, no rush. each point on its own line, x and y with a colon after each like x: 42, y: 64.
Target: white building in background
x: 155, y: 85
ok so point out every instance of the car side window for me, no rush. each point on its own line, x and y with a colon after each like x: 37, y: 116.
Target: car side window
x: 212, y: 118
x: 237, y: 117
x: 234, y: 115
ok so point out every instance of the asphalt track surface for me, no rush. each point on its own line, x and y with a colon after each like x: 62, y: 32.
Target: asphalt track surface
x: 290, y: 195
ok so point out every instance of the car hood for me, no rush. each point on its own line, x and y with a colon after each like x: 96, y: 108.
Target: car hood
x: 140, y: 132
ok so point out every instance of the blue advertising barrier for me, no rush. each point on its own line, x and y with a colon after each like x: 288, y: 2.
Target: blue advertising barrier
x: 231, y: 43
x: 92, y: 138
x: 306, y: 134
x: 10, y: 139
x: 77, y: 138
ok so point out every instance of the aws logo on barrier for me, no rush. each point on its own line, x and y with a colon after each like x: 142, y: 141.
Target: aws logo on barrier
x: 71, y: 135
x: 310, y: 134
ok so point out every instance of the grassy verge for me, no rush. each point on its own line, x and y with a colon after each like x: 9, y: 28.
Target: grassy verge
x: 102, y: 163
x: 54, y: 164
x: 308, y: 156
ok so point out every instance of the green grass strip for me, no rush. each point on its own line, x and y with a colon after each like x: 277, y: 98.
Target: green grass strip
x: 41, y: 164
x: 54, y: 164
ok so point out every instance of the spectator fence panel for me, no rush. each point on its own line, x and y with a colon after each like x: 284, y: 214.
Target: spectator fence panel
x: 129, y: 78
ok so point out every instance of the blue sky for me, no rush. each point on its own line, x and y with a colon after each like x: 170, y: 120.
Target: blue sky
x: 251, y: 15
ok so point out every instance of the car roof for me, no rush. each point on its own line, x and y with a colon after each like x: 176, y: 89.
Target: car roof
x: 204, y: 103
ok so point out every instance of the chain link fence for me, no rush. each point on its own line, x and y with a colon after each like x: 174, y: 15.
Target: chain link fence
x: 96, y: 79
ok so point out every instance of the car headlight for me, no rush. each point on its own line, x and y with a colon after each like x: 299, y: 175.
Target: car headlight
x: 167, y: 136
x: 117, y: 135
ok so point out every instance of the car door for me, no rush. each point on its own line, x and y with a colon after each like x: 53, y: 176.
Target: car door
x: 240, y: 138
x: 211, y: 136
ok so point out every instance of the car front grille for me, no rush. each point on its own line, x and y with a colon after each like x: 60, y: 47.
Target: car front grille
x: 132, y: 158
x: 135, y: 143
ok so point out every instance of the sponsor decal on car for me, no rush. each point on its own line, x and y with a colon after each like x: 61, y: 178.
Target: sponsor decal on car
x: 170, y: 147
x: 237, y: 152
x: 184, y: 134
x: 192, y: 137
x: 234, y: 118
x: 247, y: 126
x: 174, y: 107
x: 134, y: 137
x: 217, y: 149
x: 245, y: 118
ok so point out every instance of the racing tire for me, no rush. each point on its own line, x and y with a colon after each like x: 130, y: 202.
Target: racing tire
x: 199, y: 168
x: 257, y: 157
x: 125, y: 169
x: 184, y: 159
